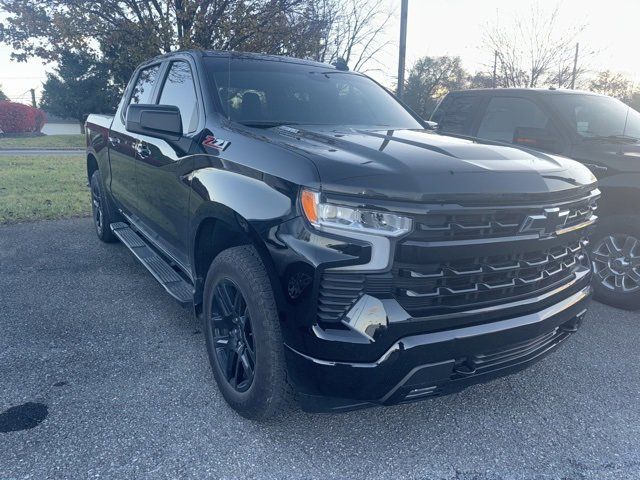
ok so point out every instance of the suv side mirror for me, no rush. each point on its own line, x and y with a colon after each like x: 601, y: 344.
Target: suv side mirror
x: 537, y: 138
x: 159, y: 121
x: 431, y: 125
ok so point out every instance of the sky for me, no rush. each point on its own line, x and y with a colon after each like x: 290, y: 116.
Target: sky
x: 449, y: 27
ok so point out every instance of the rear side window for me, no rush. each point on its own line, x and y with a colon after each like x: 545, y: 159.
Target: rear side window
x: 505, y: 114
x: 145, y: 82
x: 179, y: 91
x: 455, y: 113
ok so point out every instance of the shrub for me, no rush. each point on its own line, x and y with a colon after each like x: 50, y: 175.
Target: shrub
x: 19, y: 118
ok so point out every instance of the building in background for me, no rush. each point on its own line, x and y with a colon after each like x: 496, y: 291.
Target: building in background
x: 55, y: 125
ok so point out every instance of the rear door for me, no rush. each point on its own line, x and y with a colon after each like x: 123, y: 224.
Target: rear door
x: 122, y: 144
x: 503, y: 115
x: 162, y: 190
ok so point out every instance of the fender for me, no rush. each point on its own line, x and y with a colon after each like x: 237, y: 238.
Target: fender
x: 242, y: 202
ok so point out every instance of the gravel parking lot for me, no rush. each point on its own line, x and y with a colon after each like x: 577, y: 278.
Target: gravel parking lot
x: 123, y: 373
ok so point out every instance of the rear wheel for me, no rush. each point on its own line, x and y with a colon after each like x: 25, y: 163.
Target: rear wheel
x: 102, y: 217
x: 616, y: 262
x: 242, y: 331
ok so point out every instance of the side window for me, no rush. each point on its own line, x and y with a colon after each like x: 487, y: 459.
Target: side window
x: 144, y: 85
x: 505, y: 114
x: 179, y: 90
x: 455, y: 113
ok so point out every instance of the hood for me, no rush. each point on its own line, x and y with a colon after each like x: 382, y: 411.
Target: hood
x: 421, y: 165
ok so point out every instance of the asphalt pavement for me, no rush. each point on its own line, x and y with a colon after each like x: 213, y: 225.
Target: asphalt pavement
x: 113, y: 379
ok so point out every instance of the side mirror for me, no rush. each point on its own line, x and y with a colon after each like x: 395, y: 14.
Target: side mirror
x: 159, y: 121
x: 537, y: 138
x: 431, y: 125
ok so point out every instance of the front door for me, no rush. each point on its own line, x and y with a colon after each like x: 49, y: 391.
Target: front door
x: 162, y: 191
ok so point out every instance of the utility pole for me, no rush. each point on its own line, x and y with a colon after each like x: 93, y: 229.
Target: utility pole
x: 403, y: 47
x: 575, y: 68
x: 33, y: 97
x: 495, y: 69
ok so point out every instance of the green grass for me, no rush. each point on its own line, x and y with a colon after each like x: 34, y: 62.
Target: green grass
x: 46, y: 141
x: 42, y: 187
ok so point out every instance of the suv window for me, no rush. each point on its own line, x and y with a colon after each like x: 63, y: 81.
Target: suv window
x: 179, y: 90
x: 144, y: 85
x: 595, y: 116
x: 504, y: 114
x: 455, y: 113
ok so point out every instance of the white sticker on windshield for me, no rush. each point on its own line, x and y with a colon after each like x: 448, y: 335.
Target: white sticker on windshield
x: 583, y: 127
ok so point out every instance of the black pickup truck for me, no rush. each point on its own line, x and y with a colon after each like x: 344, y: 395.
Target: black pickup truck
x: 339, y: 251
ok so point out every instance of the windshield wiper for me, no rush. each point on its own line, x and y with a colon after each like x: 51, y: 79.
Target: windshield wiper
x: 614, y: 138
x: 266, y: 123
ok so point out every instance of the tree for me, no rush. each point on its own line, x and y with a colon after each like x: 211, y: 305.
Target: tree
x: 123, y: 33
x: 480, y: 80
x: 79, y: 85
x: 612, y: 84
x: 354, y: 32
x: 3, y: 97
x: 430, y: 79
x: 534, y: 49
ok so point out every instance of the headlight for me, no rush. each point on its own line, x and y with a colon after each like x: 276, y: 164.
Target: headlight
x: 355, y: 219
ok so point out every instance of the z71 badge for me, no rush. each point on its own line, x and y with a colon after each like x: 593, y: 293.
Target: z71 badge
x: 213, y: 142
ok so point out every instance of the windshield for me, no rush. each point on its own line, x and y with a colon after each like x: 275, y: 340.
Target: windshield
x: 593, y: 116
x: 266, y: 93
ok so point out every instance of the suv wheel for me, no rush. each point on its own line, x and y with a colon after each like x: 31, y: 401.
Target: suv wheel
x: 243, y: 335
x: 102, y: 218
x: 616, y: 262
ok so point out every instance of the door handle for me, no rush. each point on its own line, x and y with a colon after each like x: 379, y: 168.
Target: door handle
x: 600, y: 168
x: 143, y: 150
x: 114, y: 141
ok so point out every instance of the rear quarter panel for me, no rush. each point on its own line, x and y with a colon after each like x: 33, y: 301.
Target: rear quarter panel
x: 97, y: 135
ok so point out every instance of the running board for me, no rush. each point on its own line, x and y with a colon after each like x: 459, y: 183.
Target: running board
x: 173, y: 283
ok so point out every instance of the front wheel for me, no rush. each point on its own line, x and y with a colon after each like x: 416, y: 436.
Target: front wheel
x: 616, y: 262
x: 242, y: 331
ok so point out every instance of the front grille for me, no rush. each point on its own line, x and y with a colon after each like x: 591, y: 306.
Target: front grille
x: 456, y: 260
x: 480, y: 223
x: 470, y: 282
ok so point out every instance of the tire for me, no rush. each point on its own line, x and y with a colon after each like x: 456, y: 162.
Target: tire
x: 101, y: 211
x: 615, y: 255
x: 253, y: 343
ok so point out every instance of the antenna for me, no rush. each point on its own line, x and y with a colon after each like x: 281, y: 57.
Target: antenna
x: 626, y: 121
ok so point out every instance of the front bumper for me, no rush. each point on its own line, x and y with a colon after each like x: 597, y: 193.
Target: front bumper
x: 437, y: 363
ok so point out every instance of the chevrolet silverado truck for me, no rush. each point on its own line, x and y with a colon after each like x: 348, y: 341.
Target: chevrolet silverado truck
x: 339, y: 252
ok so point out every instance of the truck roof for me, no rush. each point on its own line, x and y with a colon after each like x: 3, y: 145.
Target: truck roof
x: 246, y: 55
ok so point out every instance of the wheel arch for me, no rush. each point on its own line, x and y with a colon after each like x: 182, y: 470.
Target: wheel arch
x: 92, y: 165
x: 216, y: 230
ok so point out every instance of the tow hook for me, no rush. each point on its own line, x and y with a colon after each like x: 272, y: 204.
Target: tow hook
x: 572, y: 325
x: 464, y: 366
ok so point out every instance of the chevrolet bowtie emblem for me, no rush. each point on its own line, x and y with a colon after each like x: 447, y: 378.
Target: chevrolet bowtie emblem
x: 547, y: 223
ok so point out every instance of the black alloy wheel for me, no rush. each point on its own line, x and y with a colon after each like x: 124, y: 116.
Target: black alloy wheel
x: 233, y: 335
x: 243, y: 336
